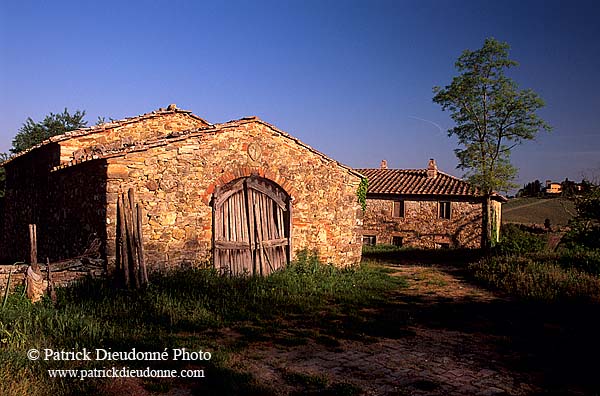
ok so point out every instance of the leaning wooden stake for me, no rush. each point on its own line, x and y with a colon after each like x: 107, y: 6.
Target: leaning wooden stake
x: 34, y: 276
x: 130, y: 259
x: 5, y: 299
x: 33, y: 247
x: 140, y: 236
x: 130, y: 226
x: 51, y: 291
x: 124, y: 253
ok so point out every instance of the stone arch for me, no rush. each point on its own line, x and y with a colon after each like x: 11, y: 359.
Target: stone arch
x: 247, y: 171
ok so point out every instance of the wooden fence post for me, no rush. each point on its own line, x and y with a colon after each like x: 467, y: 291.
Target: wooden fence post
x: 123, y: 251
x: 51, y: 291
x: 130, y: 241
x: 140, y: 237
x: 33, y: 247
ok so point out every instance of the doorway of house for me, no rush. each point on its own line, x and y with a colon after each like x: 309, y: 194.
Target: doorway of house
x: 251, y: 227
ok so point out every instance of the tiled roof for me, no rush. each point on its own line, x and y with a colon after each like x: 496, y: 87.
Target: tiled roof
x: 415, y: 182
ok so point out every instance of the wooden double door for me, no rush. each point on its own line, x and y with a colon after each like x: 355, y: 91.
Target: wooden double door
x: 251, y: 227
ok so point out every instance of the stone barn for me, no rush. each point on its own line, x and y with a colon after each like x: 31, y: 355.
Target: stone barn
x: 243, y: 195
x: 424, y: 208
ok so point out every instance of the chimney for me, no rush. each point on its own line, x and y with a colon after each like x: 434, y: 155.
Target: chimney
x: 172, y: 107
x: 383, y: 164
x: 548, y: 183
x: 432, y: 169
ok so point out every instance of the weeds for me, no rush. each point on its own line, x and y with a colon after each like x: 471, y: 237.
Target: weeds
x: 537, y: 279
x: 92, y: 314
x: 518, y: 239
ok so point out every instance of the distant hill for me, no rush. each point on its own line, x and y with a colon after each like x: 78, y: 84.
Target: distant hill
x: 536, y: 210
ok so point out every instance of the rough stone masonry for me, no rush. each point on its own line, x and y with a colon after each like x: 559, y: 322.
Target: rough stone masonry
x: 175, y: 161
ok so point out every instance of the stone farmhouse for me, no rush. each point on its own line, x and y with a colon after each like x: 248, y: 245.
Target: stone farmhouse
x: 423, y: 208
x: 242, y: 192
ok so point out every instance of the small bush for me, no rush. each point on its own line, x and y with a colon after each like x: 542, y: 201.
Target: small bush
x: 518, y: 240
x: 537, y: 279
x: 586, y: 260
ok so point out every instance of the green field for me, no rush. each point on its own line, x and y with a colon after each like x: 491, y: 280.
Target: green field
x: 536, y: 210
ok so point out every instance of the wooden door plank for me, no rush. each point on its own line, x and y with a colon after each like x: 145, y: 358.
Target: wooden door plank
x: 226, y: 221
x: 265, y: 190
x: 232, y: 245
x: 288, y: 228
x: 258, y: 231
x: 249, y: 228
x: 224, y: 194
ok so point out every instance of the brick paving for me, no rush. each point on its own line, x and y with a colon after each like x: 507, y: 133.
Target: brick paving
x: 430, y: 361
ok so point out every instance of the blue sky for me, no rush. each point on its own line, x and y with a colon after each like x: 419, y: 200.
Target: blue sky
x: 351, y: 78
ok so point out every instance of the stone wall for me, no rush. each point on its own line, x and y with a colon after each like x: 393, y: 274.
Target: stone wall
x: 174, y: 177
x: 75, y: 211
x: 421, y: 225
x: 174, y: 181
x: 125, y: 133
x: 63, y: 274
x: 27, y: 183
x: 68, y: 207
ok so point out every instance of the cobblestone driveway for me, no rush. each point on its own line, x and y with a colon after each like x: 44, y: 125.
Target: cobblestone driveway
x: 429, y: 361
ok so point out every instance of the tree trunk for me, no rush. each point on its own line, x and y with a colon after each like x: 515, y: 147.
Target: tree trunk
x: 486, y: 224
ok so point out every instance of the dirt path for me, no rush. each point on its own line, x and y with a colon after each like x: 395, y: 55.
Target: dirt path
x: 403, y: 351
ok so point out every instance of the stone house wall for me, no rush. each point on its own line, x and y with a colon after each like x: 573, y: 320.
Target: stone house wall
x: 139, y: 129
x: 70, y: 201
x: 69, y: 188
x: 27, y: 181
x: 421, y: 225
x: 174, y: 181
x: 68, y: 207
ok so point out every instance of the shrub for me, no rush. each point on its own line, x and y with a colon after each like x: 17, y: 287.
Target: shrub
x: 585, y: 228
x: 516, y: 239
x: 537, y: 279
x: 586, y: 260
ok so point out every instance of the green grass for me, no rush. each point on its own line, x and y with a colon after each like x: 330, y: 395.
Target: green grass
x: 538, y: 277
x: 194, y: 302
x: 523, y: 266
x: 535, y: 210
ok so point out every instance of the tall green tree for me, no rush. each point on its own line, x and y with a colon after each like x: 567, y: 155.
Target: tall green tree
x: 32, y: 133
x: 492, y: 116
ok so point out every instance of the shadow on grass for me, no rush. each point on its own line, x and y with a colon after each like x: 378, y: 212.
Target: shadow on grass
x: 422, y: 256
x: 554, y: 344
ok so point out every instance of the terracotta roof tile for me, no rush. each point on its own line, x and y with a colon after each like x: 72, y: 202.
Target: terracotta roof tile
x: 415, y: 182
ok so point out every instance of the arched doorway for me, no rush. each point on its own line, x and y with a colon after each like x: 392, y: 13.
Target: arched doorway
x: 251, y: 227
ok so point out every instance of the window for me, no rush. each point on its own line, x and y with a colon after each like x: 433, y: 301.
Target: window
x: 369, y: 240
x: 398, y: 209
x: 444, y: 210
x: 397, y: 241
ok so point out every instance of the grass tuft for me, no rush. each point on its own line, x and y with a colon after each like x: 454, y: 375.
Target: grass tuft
x: 92, y: 314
